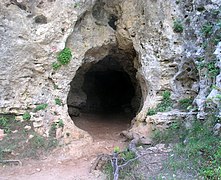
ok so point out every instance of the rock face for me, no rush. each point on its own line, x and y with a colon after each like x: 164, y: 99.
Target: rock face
x: 139, y: 35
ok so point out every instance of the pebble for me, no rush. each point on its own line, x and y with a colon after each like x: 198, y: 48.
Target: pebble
x: 38, y: 169
x: 27, y: 127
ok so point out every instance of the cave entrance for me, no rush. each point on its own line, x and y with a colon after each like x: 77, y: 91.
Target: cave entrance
x: 109, y: 91
x: 105, y: 96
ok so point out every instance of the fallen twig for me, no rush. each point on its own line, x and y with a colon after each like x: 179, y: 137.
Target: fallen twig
x: 95, y: 164
x: 11, y: 161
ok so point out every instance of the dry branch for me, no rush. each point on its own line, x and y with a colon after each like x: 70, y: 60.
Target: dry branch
x: 11, y: 161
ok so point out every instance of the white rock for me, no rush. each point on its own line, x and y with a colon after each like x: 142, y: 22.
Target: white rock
x: 27, y: 127
x: 2, y: 135
x: 217, y: 129
x: 30, y: 136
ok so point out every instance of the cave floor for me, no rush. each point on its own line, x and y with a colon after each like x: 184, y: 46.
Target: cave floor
x: 103, y: 126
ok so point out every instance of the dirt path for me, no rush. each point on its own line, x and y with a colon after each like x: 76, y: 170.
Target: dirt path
x: 105, y: 131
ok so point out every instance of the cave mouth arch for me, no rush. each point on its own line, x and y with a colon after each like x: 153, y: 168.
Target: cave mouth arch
x: 105, y: 94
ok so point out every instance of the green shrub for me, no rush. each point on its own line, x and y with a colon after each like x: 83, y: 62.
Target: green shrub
x: 116, y: 149
x: 64, y: 57
x: 26, y: 116
x: 58, y: 101
x: 60, y: 123
x: 76, y: 5
x: 178, y: 26
x: 38, y: 141
x: 164, y: 105
x: 216, y: 39
x: 212, y: 69
x: 6, y: 122
x: 166, y: 95
x: 185, y: 103
x: 56, y: 65
x: 40, y: 107
x: 174, y: 133
x: 128, y: 155
x: 207, y: 29
x: 54, y: 126
x: 151, y: 112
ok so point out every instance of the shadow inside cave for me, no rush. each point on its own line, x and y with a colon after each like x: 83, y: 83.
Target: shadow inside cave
x: 105, y: 96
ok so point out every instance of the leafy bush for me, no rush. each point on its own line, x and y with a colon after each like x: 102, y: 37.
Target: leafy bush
x: 64, y: 57
x: 38, y: 141
x: 3, y: 122
x: 174, y: 133
x: 177, y: 26
x: 163, y: 106
x: 151, y: 112
x: 166, y: 103
x: 60, y: 123
x: 212, y: 69
x: 54, y: 126
x: 207, y: 29
x: 58, y: 101
x: 56, y: 65
x: 166, y: 95
x: 6, y: 123
x: 40, y: 107
x: 26, y: 116
x: 185, y: 103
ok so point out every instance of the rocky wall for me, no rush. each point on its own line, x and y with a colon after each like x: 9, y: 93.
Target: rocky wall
x: 33, y: 32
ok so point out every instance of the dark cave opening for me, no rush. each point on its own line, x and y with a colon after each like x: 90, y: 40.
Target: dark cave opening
x: 108, y: 91
x: 105, y: 94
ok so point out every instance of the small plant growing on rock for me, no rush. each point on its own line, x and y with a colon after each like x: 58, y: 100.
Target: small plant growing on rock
x: 212, y: 69
x: 177, y: 1
x: 76, y: 5
x: 58, y: 101
x: 40, y: 107
x: 166, y: 103
x: 26, y: 116
x: 5, y: 124
x: 151, y: 112
x: 60, y: 123
x: 163, y: 106
x: 54, y: 126
x: 185, y: 103
x: 38, y: 141
x: 64, y: 57
x: 207, y: 29
x: 56, y: 65
x: 177, y: 26
x: 116, y: 149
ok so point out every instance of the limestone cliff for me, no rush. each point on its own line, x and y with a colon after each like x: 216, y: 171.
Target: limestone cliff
x: 139, y: 34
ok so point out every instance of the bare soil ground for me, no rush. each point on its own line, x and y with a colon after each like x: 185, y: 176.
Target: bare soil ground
x: 105, y: 131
